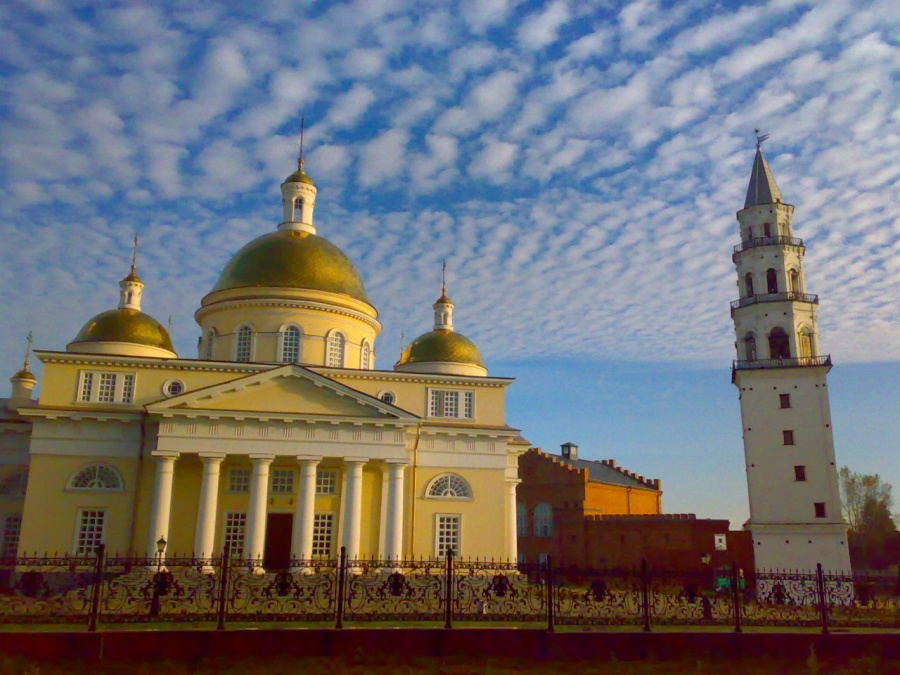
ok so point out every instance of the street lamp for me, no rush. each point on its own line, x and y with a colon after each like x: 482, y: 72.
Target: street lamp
x: 158, y: 579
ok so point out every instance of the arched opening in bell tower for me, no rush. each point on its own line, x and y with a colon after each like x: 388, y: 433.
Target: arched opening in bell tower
x: 771, y: 280
x: 794, y: 280
x: 750, y: 347
x: 779, y: 344
x: 748, y: 284
x: 806, y: 342
x: 767, y: 230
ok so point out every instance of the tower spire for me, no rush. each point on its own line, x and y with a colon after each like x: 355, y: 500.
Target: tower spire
x: 444, y: 278
x: 134, y: 256
x: 762, y: 188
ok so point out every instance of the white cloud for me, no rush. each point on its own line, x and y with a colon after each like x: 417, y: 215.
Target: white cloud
x: 494, y: 160
x: 541, y: 29
x: 349, y: 107
x: 383, y: 158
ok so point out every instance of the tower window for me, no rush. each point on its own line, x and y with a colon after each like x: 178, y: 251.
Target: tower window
x: 806, y: 343
x: 820, y: 509
x: 784, y: 400
x: 336, y: 345
x: 794, y: 278
x: 208, y: 353
x: 800, y: 474
x: 788, y: 436
x: 244, y: 344
x: 298, y: 209
x: 750, y: 347
x: 771, y: 280
x: 290, y: 345
x: 779, y: 344
x: 365, y: 356
x: 748, y: 283
x: 767, y: 230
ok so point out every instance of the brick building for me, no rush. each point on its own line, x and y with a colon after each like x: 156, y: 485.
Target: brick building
x: 597, y: 514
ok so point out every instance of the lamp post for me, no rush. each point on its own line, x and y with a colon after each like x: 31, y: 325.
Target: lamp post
x: 706, y: 559
x: 157, y: 578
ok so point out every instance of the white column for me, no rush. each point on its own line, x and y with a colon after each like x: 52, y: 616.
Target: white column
x: 353, y: 505
x: 304, y: 514
x: 205, y: 533
x: 512, y: 535
x: 255, y: 543
x: 393, y: 527
x: 162, y: 500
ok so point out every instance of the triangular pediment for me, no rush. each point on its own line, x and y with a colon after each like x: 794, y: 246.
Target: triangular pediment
x: 289, y: 390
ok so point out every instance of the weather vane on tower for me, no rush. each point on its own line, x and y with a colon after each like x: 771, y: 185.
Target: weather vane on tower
x: 760, y: 139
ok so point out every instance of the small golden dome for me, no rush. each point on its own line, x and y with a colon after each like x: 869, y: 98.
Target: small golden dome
x: 132, y: 276
x: 299, y: 176
x: 441, y: 346
x: 24, y: 374
x: 292, y: 259
x: 125, y: 325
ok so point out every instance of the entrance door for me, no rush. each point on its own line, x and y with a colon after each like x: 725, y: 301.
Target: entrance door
x: 277, y: 555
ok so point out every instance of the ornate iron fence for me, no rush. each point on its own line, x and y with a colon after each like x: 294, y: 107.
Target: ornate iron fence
x: 224, y: 590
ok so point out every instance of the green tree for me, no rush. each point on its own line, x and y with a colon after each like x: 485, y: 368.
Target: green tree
x: 867, y: 502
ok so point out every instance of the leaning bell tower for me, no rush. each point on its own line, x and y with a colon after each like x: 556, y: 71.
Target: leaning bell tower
x: 781, y: 376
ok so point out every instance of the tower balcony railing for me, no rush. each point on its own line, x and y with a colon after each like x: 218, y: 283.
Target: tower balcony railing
x: 779, y: 240
x: 796, y: 362
x: 792, y: 296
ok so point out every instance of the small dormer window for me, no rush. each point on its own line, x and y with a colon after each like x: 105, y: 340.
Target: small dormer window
x: 298, y: 208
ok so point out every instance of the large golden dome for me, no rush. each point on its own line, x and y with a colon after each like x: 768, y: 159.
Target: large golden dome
x: 292, y: 259
x: 441, y: 346
x: 125, y: 325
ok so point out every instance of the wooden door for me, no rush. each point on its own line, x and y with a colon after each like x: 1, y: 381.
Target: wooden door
x: 277, y: 555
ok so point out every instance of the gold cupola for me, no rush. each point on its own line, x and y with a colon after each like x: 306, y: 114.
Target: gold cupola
x: 442, y: 350
x: 126, y: 330
x: 290, y: 296
x: 23, y: 382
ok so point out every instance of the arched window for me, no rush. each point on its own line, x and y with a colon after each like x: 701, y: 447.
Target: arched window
x: 244, y: 345
x: 388, y: 397
x: 14, y: 485
x: 806, y: 342
x: 748, y: 283
x: 749, y: 234
x: 750, y: 347
x: 335, y: 350
x: 543, y: 520
x: 779, y: 344
x: 208, y: 349
x: 521, y: 520
x: 767, y: 230
x: 449, y: 486
x: 290, y: 344
x: 794, y: 280
x: 365, y: 356
x: 298, y: 209
x: 771, y: 280
x: 97, y: 477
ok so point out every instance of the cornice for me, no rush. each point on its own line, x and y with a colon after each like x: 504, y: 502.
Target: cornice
x: 226, y: 305
x: 286, y: 418
x: 426, y: 378
x: 153, y: 363
x: 67, y: 413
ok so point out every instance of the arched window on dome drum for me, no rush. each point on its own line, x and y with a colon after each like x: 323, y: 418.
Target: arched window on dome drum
x: 750, y: 347
x: 521, y: 520
x: 244, y: 344
x: 779, y: 344
x: 14, y: 485
x: 771, y: 280
x: 543, y: 520
x: 298, y: 209
x: 208, y: 348
x: 97, y: 477
x: 336, y: 346
x: 449, y: 486
x: 290, y: 344
x: 365, y: 356
x: 748, y: 283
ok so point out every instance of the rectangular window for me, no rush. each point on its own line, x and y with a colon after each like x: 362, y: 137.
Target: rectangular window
x: 447, y: 535
x: 446, y: 403
x: 323, y: 533
x: 110, y: 387
x: 235, y: 530
x: 238, y: 480
x: 326, y: 482
x: 788, y: 436
x: 800, y: 473
x: 90, y: 531
x: 283, y: 481
x: 12, y: 528
x: 820, y: 509
x: 521, y: 520
x: 785, y: 400
x: 107, y: 392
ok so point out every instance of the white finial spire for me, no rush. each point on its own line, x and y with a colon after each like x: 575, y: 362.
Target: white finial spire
x: 28, y: 341
x: 443, y: 308
x: 131, y: 287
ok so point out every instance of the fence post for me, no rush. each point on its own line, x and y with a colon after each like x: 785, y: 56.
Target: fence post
x: 823, y: 598
x: 550, y: 595
x: 645, y: 594
x: 342, y: 571
x: 448, y: 599
x: 99, y: 564
x: 736, y: 596
x: 223, y: 586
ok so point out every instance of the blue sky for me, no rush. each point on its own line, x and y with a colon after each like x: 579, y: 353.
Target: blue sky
x: 578, y: 164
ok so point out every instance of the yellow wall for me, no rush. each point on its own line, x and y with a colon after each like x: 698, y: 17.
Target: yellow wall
x: 604, y: 498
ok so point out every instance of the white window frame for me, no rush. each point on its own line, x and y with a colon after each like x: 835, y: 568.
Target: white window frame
x: 521, y: 519
x: 323, y: 523
x: 432, y: 484
x: 245, y: 471
x: 237, y: 344
x: 451, y: 403
x: 170, y: 386
x: 235, y: 532
x: 80, y: 528
x: 122, y: 392
x: 282, y: 334
x: 326, y: 482
x: 208, y: 347
x: 542, y: 526
x: 11, y: 535
x: 336, y: 337
x: 387, y: 392
x: 365, y: 356
x: 437, y: 535
x: 70, y: 484
x: 281, y: 479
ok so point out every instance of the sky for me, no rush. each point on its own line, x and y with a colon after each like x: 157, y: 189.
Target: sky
x: 577, y: 164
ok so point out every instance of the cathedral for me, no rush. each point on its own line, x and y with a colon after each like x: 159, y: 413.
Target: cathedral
x: 280, y: 438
